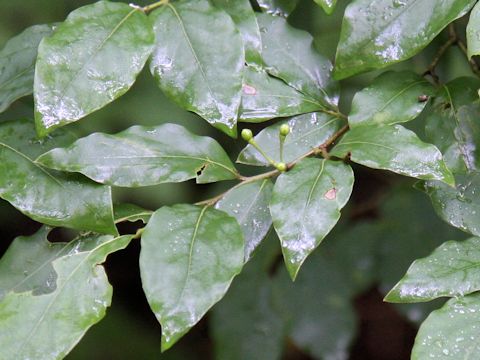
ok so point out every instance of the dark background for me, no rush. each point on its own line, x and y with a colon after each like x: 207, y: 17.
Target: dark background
x: 397, y: 219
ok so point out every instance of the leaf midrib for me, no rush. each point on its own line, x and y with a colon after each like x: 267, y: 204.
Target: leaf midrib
x: 61, y: 288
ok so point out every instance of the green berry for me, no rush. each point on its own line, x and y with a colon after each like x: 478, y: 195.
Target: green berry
x: 247, y: 134
x: 281, y: 166
x: 284, y: 130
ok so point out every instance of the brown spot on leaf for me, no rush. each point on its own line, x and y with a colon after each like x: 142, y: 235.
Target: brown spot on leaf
x: 422, y: 98
x: 249, y: 90
x: 331, y: 194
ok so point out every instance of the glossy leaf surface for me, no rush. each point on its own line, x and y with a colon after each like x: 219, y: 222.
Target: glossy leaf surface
x: 142, y: 156
x: 453, y: 127
x: 52, y: 293
x: 278, y: 7
x: 473, y: 32
x: 317, y: 308
x: 393, y: 97
x: 244, y: 17
x: 306, y: 132
x: 451, y: 270
x: 48, y: 196
x: 408, y: 230
x: 265, y: 97
x: 249, y: 205
x: 327, y: 5
x: 376, y: 34
x: 211, y: 75
x: 306, y: 205
x: 91, y: 59
x: 188, y: 259
x: 131, y: 212
x: 450, y: 332
x: 289, y: 54
x: 396, y: 149
x: 17, y: 64
x: 459, y: 206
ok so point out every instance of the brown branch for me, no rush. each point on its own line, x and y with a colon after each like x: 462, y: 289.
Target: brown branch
x: 320, y: 150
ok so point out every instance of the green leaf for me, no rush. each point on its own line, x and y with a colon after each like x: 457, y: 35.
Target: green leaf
x: 278, y: 7
x: 188, y: 259
x: 265, y: 97
x: 306, y: 132
x: 142, y: 156
x: 289, y: 54
x: 17, y: 64
x: 459, y: 206
x: 48, y: 196
x: 249, y: 205
x: 452, y: 124
x: 193, y: 39
x: 91, y: 59
x: 452, y: 270
x: 306, y: 205
x: 243, y: 16
x: 407, y: 229
x: 377, y: 34
x: 355, y: 247
x: 450, y: 332
x: 244, y: 324
x: 318, y: 308
x: 393, y: 97
x: 52, y: 293
x: 473, y: 32
x: 396, y: 149
x: 327, y: 5
x: 131, y: 212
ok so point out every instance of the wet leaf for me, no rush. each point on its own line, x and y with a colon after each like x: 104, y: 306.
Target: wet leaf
x: 451, y: 270
x: 188, y: 259
x: 91, y: 59
x: 327, y: 5
x: 278, y: 7
x: 306, y: 205
x: 452, y: 124
x: 393, y: 97
x: 306, y: 132
x: 48, y: 196
x: 459, y: 206
x: 450, y: 332
x: 17, y: 64
x: 52, y: 293
x: 244, y: 18
x: 131, y: 212
x: 376, y: 34
x: 317, y: 306
x: 396, y: 149
x: 142, y: 156
x: 407, y: 229
x: 249, y: 205
x: 473, y: 32
x: 288, y: 54
x: 200, y: 42
x: 265, y: 97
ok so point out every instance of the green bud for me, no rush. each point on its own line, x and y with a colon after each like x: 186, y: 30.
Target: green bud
x: 284, y: 130
x: 281, y: 166
x: 247, y: 134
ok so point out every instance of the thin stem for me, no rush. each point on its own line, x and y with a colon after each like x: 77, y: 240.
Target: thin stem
x: 322, y: 150
x: 151, y: 7
x: 263, y: 153
x: 139, y: 233
x: 452, y: 39
x: 472, y: 62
